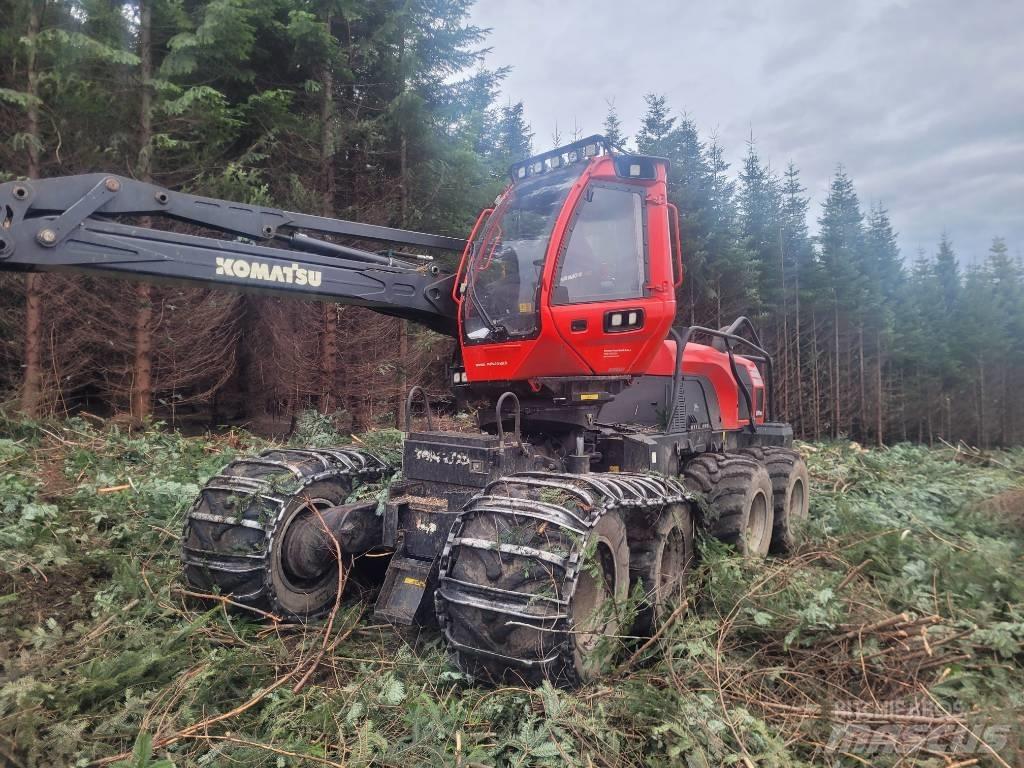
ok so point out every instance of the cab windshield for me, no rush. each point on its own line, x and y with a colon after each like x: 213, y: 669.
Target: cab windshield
x: 503, y: 276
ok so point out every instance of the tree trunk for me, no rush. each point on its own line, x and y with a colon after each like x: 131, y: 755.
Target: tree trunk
x: 981, y: 403
x: 32, y: 387
x: 329, y: 349
x: 817, y: 394
x: 32, y: 75
x: 329, y: 357
x: 785, y: 333
x: 903, y: 406
x: 142, y: 384
x: 718, y: 302
x: 329, y: 182
x: 948, y: 404
x: 799, y: 364
x: 863, y: 427
x: 403, y: 377
x: 838, y: 409
x: 403, y: 325
x: 1004, y: 409
x: 928, y: 410
x: 879, y: 437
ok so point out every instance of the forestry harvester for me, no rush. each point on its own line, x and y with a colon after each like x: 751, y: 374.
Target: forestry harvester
x: 607, y: 434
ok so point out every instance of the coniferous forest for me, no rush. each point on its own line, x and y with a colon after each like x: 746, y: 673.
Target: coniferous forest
x: 384, y: 112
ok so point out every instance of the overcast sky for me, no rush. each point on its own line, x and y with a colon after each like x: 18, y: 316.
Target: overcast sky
x: 921, y: 100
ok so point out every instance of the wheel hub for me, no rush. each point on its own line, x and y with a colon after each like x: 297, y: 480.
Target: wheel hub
x: 757, y: 525
x: 796, y: 500
x: 307, y: 552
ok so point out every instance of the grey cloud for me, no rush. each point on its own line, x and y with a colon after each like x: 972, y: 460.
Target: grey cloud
x: 921, y: 100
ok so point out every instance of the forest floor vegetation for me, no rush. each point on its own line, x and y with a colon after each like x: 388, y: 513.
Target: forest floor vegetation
x: 894, y: 636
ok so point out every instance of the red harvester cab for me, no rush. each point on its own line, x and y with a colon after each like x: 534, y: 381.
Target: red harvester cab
x: 571, y: 273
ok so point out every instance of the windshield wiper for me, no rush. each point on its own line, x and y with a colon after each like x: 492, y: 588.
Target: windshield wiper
x: 500, y: 332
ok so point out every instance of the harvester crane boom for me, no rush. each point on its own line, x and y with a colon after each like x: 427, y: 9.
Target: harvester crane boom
x: 84, y: 222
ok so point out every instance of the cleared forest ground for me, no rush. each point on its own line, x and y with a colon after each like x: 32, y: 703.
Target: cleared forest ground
x: 898, y: 627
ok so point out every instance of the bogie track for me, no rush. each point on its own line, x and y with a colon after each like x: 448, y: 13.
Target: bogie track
x: 237, y: 531
x: 534, y: 577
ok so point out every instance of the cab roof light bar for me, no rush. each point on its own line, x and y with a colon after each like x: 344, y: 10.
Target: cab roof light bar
x: 627, y: 166
x: 584, y: 149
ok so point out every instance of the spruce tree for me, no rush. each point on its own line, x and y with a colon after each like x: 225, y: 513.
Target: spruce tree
x: 760, y: 221
x: 841, y: 240
x: 515, y: 139
x: 613, y: 127
x: 948, y: 271
x: 656, y: 127
x: 731, y: 270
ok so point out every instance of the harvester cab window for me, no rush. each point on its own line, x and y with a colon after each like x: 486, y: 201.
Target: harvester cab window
x: 604, y: 255
x: 504, y: 275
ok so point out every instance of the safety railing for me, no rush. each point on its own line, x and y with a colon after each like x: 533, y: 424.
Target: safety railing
x: 730, y: 336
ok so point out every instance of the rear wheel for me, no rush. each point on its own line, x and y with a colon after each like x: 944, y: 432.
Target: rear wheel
x: 738, y: 492
x: 790, y: 492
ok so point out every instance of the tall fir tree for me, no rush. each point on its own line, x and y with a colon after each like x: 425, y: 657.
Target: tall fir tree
x: 656, y: 127
x: 612, y: 127
x: 515, y: 138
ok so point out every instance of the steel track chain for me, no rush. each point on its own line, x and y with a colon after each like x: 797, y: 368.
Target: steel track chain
x: 567, y: 503
x: 229, y: 531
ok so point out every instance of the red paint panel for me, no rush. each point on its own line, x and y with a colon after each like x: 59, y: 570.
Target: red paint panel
x: 706, y: 361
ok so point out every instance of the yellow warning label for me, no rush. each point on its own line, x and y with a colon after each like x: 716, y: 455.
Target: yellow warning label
x: 415, y: 582
x: 589, y: 396
x: 525, y: 308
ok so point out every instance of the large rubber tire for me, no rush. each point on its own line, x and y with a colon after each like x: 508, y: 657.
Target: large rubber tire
x: 791, y: 485
x: 739, y: 493
x: 573, y: 653
x: 534, y: 578
x: 235, y: 538
x: 601, y: 591
x: 661, y: 556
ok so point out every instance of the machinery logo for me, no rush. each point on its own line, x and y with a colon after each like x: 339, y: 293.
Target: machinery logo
x: 256, y: 270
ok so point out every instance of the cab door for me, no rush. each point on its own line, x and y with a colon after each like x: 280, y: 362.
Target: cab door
x: 608, y: 299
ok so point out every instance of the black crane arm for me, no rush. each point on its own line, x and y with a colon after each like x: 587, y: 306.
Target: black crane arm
x: 86, y: 223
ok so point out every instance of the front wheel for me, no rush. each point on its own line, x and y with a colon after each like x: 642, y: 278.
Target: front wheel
x: 661, y: 558
x: 253, y: 534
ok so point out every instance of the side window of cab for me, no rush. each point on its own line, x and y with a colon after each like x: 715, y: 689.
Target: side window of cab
x: 605, y: 255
